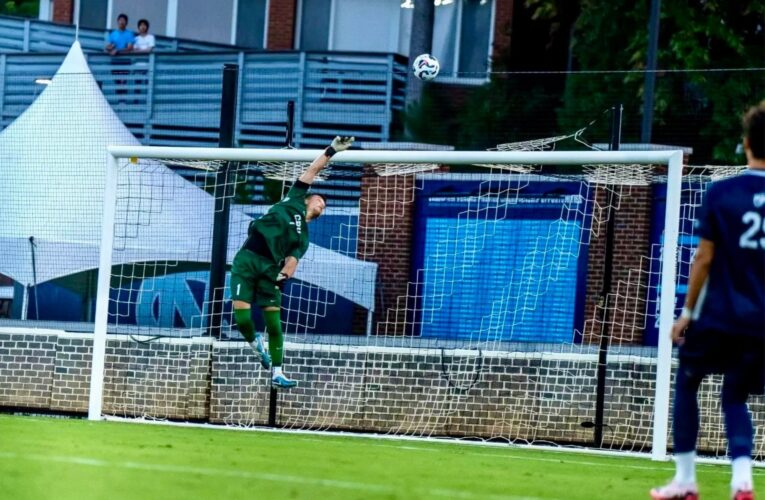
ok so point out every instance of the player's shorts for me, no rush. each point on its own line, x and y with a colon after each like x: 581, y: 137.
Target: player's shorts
x: 708, y: 351
x: 253, y: 279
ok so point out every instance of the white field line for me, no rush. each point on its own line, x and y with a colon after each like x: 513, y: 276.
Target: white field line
x: 715, y: 462
x: 708, y: 468
x: 260, y: 476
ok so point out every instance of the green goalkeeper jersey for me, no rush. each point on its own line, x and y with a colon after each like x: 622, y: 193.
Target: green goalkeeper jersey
x: 283, y: 229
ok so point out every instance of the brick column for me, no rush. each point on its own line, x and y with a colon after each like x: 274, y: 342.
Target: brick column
x: 385, y: 237
x: 629, y: 281
x: 62, y: 11
x: 281, y: 24
x: 503, y: 25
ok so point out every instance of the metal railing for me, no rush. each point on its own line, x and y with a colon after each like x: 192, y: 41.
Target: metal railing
x: 31, y: 35
x: 174, y: 99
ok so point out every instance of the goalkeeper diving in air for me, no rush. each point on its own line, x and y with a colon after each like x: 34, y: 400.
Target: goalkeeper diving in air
x: 269, y: 257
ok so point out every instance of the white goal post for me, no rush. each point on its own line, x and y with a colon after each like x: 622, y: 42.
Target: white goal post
x: 672, y: 159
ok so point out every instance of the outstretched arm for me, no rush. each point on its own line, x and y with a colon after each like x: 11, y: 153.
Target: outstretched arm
x: 702, y: 261
x: 338, y: 144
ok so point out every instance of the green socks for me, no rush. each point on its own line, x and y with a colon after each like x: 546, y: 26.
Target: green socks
x: 275, y: 338
x: 273, y: 327
x: 243, y: 319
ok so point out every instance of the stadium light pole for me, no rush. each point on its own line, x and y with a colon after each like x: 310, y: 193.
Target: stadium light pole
x: 650, y: 74
x: 222, y: 194
x: 420, y: 42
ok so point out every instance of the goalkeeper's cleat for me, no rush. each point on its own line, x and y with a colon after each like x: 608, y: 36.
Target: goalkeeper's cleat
x: 675, y: 491
x: 282, y: 382
x: 747, y: 494
x: 260, y: 352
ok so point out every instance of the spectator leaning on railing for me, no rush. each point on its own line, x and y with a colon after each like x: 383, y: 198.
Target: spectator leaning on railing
x: 122, y: 39
x: 144, y: 41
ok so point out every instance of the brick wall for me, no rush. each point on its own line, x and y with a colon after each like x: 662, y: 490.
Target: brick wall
x: 503, y: 23
x: 281, y: 25
x: 519, y: 396
x: 62, y: 11
x: 69, y: 392
x: 52, y: 371
x: 385, y: 237
x: 629, y: 281
x: 26, y: 369
x: 164, y: 379
x: 239, y: 387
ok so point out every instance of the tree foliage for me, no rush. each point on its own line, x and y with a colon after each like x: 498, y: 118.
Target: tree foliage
x: 21, y: 8
x: 605, y: 43
x: 693, y: 108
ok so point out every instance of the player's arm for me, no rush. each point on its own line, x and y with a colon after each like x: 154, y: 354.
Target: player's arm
x: 290, y: 266
x: 699, y: 274
x: 707, y: 229
x: 338, y: 144
x: 291, y: 262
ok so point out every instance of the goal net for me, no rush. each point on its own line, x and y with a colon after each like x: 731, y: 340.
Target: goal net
x: 458, y: 296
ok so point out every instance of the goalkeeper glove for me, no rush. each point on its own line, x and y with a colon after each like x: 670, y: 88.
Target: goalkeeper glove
x: 281, y: 280
x: 339, y: 144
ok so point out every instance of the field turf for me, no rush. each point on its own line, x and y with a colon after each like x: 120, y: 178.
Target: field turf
x: 51, y: 458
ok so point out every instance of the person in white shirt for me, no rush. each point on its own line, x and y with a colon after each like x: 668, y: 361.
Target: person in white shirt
x: 144, y: 41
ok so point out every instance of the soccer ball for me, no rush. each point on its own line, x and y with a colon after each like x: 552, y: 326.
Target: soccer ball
x: 426, y: 67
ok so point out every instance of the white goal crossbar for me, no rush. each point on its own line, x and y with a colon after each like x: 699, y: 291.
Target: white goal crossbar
x: 380, y: 156
x: 673, y: 159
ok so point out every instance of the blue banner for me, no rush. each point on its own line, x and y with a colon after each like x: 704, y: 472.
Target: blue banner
x: 177, y: 299
x: 500, y: 259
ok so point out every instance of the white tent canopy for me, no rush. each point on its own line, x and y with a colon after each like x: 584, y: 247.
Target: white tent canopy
x: 52, y: 169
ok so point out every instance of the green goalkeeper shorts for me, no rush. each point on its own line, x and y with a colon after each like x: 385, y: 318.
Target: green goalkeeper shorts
x: 253, y: 279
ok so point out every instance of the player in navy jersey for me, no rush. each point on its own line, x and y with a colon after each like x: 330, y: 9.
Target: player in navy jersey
x: 722, y: 326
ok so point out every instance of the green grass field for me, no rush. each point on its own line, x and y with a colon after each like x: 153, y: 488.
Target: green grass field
x: 61, y: 459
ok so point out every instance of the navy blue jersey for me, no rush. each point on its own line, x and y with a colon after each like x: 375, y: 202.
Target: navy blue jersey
x: 732, y: 217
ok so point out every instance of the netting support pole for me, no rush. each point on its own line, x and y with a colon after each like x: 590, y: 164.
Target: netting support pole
x: 32, y: 246
x: 102, y: 294
x: 605, y: 333
x: 667, y: 307
x: 273, y: 402
x: 224, y: 188
x: 370, y: 322
x: 290, y: 124
x: 289, y: 127
x: 273, y: 395
x: 25, y: 302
